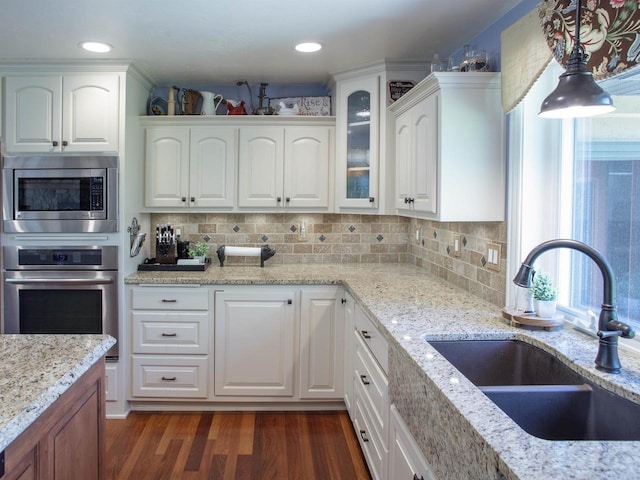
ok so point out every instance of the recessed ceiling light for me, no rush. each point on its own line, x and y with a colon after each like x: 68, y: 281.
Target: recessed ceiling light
x: 96, y: 47
x: 308, y: 47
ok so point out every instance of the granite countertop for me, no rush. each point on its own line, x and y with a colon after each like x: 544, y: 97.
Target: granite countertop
x: 411, y: 305
x: 36, y: 369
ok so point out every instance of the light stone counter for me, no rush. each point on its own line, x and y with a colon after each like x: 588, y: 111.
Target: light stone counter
x: 461, y: 432
x: 36, y: 369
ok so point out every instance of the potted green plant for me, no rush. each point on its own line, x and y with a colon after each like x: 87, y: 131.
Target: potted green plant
x: 544, y: 295
x: 199, y: 251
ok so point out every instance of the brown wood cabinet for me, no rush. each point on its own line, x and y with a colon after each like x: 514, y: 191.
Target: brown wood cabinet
x: 67, y: 441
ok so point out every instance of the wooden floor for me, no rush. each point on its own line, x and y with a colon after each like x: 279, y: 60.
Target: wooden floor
x: 234, y: 445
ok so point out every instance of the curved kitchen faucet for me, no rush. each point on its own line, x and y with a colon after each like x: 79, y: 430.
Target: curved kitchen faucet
x: 609, y: 328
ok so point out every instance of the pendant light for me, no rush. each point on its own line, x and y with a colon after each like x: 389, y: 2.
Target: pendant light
x: 577, y: 94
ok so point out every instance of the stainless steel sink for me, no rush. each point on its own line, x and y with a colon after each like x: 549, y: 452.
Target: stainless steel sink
x: 542, y: 395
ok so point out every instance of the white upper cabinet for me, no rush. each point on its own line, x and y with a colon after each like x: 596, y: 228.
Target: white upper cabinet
x: 284, y: 167
x: 449, y: 145
x: 55, y: 113
x: 190, y: 167
x: 357, y: 156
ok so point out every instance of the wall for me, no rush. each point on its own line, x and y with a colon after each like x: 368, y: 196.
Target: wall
x: 334, y: 238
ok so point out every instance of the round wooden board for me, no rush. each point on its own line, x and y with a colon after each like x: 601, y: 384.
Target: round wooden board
x: 530, y: 320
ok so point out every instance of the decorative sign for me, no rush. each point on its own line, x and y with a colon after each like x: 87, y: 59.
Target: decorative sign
x: 609, y: 33
x: 397, y: 88
x: 311, y: 106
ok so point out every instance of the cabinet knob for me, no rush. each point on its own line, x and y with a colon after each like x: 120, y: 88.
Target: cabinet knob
x: 55, y: 143
x: 193, y: 199
x: 65, y: 143
x: 344, y: 300
x: 365, y: 334
x: 289, y: 302
x: 372, y: 199
x: 363, y: 379
x: 363, y: 436
x: 287, y: 199
x: 406, y: 200
x: 416, y: 477
x: 278, y: 199
x: 184, y: 199
x: 411, y: 200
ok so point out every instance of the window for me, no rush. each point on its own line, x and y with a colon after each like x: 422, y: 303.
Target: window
x: 578, y: 179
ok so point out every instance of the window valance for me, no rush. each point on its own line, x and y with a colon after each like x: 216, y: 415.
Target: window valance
x: 609, y: 32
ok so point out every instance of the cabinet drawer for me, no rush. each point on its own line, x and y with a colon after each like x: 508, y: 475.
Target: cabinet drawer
x: 173, y: 298
x: 371, y: 443
x: 171, y: 332
x: 371, y: 385
x: 373, y: 338
x: 171, y: 377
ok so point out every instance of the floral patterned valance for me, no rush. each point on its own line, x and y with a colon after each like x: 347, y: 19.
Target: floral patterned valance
x: 609, y: 32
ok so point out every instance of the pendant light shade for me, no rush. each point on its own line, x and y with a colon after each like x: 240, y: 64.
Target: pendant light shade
x: 577, y: 94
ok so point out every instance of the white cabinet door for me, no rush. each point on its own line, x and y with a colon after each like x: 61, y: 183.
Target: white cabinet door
x: 213, y: 152
x: 425, y: 154
x: 33, y: 113
x: 306, y: 170
x: 53, y: 113
x: 349, y: 347
x: 90, y: 113
x: 417, y: 157
x: 405, y: 458
x: 358, y: 142
x: 255, y: 343
x: 404, y: 160
x: 321, y: 343
x: 167, y: 167
x: 261, y: 167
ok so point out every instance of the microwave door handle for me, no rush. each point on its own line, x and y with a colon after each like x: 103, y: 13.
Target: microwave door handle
x: 60, y: 281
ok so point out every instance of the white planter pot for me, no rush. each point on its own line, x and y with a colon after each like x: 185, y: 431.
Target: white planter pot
x: 545, y: 308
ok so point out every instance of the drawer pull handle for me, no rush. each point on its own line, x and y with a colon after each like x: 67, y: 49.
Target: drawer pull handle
x: 363, y: 379
x: 169, y: 334
x: 169, y: 300
x: 169, y: 379
x: 365, y: 334
x: 363, y: 436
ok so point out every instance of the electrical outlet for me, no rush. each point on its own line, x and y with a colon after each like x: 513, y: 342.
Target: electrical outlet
x: 494, y: 251
x: 457, y: 246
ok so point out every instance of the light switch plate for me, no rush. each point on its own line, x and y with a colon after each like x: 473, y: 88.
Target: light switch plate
x: 494, y: 252
x: 457, y: 246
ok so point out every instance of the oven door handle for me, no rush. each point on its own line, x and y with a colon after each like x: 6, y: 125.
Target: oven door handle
x: 61, y: 281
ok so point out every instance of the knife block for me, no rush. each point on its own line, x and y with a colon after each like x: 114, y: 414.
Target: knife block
x: 166, y: 253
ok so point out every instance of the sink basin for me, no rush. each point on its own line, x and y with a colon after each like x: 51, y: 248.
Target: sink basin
x: 541, y: 394
x: 505, y: 362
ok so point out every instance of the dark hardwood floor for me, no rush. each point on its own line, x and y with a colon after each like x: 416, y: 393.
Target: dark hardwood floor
x: 234, y: 445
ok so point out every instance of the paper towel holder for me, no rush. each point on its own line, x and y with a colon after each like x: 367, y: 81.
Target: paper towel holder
x: 265, y: 252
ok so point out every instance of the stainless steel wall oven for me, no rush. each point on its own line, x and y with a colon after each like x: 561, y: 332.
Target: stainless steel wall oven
x: 68, y: 194
x: 63, y: 290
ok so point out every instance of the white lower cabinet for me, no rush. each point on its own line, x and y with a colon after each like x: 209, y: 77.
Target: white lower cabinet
x: 406, y: 461
x: 170, y: 342
x: 371, y: 392
x: 321, y: 343
x: 348, y: 331
x: 255, y: 342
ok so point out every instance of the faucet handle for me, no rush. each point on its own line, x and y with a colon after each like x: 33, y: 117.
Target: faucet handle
x: 617, y: 328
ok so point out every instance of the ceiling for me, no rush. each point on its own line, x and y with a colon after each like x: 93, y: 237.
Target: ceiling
x: 207, y: 42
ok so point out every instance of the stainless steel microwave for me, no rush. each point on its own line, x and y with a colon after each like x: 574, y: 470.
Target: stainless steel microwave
x: 60, y: 194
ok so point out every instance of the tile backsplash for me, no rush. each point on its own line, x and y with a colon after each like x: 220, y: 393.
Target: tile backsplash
x: 352, y: 238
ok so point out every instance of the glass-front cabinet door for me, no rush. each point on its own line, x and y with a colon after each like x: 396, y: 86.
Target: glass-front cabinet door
x: 357, y: 132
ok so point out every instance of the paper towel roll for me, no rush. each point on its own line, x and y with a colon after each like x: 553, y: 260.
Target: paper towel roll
x: 242, y: 251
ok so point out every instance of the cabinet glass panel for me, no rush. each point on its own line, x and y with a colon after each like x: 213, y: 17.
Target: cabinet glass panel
x: 358, y: 144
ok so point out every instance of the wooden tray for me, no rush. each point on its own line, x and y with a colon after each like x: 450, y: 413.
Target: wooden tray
x: 531, y: 321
